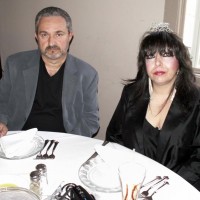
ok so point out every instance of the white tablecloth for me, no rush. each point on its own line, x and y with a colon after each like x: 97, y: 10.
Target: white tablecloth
x: 74, y: 150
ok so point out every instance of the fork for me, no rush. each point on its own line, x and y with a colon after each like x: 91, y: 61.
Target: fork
x: 52, y: 156
x: 39, y: 156
x: 45, y: 156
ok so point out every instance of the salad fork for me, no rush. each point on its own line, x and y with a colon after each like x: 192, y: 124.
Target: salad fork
x: 39, y: 156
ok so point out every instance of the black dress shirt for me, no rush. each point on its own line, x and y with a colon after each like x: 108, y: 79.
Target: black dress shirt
x: 46, y: 113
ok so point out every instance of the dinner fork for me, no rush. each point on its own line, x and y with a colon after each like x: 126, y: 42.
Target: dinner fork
x: 52, y: 156
x: 45, y: 156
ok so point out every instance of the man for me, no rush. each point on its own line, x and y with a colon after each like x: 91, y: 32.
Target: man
x: 48, y: 88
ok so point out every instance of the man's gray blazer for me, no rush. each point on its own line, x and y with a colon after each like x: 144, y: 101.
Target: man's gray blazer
x: 79, y: 95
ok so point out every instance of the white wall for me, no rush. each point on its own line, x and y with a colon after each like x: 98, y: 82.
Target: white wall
x: 107, y: 34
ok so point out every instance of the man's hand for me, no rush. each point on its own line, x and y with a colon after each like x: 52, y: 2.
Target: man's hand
x: 3, y: 129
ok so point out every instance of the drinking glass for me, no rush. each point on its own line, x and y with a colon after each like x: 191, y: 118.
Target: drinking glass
x: 131, y: 175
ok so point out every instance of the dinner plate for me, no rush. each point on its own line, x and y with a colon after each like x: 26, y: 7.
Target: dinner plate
x: 13, y: 181
x: 17, y: 193
x: 35, y: 146
x: 99, y: 176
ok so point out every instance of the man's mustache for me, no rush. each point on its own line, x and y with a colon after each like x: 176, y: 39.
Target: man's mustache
x: 54, y: 47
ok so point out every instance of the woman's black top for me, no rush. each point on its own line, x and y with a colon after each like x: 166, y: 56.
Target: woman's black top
x: 151, y: 135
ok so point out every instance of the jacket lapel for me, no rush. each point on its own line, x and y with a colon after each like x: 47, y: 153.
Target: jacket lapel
x: 30, y: 75
x: 70, y: 84
x: 174, y: 116
x: 139, y: 112
x: 69, y: 81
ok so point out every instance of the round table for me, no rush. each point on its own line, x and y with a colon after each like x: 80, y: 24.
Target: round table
x: 73, y: 150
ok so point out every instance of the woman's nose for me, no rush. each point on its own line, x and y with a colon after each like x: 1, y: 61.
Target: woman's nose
x: 158, y: 59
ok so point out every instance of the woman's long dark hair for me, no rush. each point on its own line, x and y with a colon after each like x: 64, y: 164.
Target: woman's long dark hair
x: 153, y: 42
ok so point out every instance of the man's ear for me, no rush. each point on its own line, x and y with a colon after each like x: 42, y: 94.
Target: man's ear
x: 36, y: 38
x: 71, y: 35
x: 71, y: 39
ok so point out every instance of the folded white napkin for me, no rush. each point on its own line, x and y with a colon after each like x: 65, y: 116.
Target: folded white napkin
x: 18, y: 143
x: 114, y: 154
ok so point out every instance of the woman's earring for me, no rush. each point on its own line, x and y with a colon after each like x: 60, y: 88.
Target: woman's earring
x: 177, y: 72
x: 150, y: 87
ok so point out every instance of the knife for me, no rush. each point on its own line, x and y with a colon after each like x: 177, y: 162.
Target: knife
x: 95, y: 153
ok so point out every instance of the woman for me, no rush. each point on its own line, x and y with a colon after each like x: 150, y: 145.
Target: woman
x: 159, y: 111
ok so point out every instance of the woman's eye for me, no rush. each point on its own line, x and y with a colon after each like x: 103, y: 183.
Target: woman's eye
x: 167, y: 54
x: 150, y: 56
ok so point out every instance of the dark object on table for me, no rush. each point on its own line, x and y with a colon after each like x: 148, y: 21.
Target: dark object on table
x: 72, y: 191
x: 46, y: 155
x: 39, y: 156
x: 52, y: 156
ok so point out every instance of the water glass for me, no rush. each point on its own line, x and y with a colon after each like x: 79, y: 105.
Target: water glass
x: 131, y: 175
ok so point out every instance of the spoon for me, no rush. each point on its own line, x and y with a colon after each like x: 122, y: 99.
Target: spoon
x: 39, y: 156
x: 52, y: 156
x: 146, y: 192
x: 150, y: 197
x: 45, y: 156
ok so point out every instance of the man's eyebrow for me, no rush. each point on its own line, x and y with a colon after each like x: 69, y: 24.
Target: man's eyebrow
x: 42, y: 31
x: 60, y: 31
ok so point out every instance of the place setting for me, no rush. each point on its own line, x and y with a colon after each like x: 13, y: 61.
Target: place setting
x: 25, y: 144
x: 114, y: 169
x: 100, y: 172
x: 18, y: 145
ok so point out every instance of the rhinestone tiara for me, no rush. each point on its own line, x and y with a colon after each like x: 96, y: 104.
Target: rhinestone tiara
x: 160, y: 27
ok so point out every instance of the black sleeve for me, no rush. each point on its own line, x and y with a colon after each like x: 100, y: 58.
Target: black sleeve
x: 190, y: 170
x: 115, y: 128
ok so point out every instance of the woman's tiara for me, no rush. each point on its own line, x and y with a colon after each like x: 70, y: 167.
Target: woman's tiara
x: 160, y: 27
